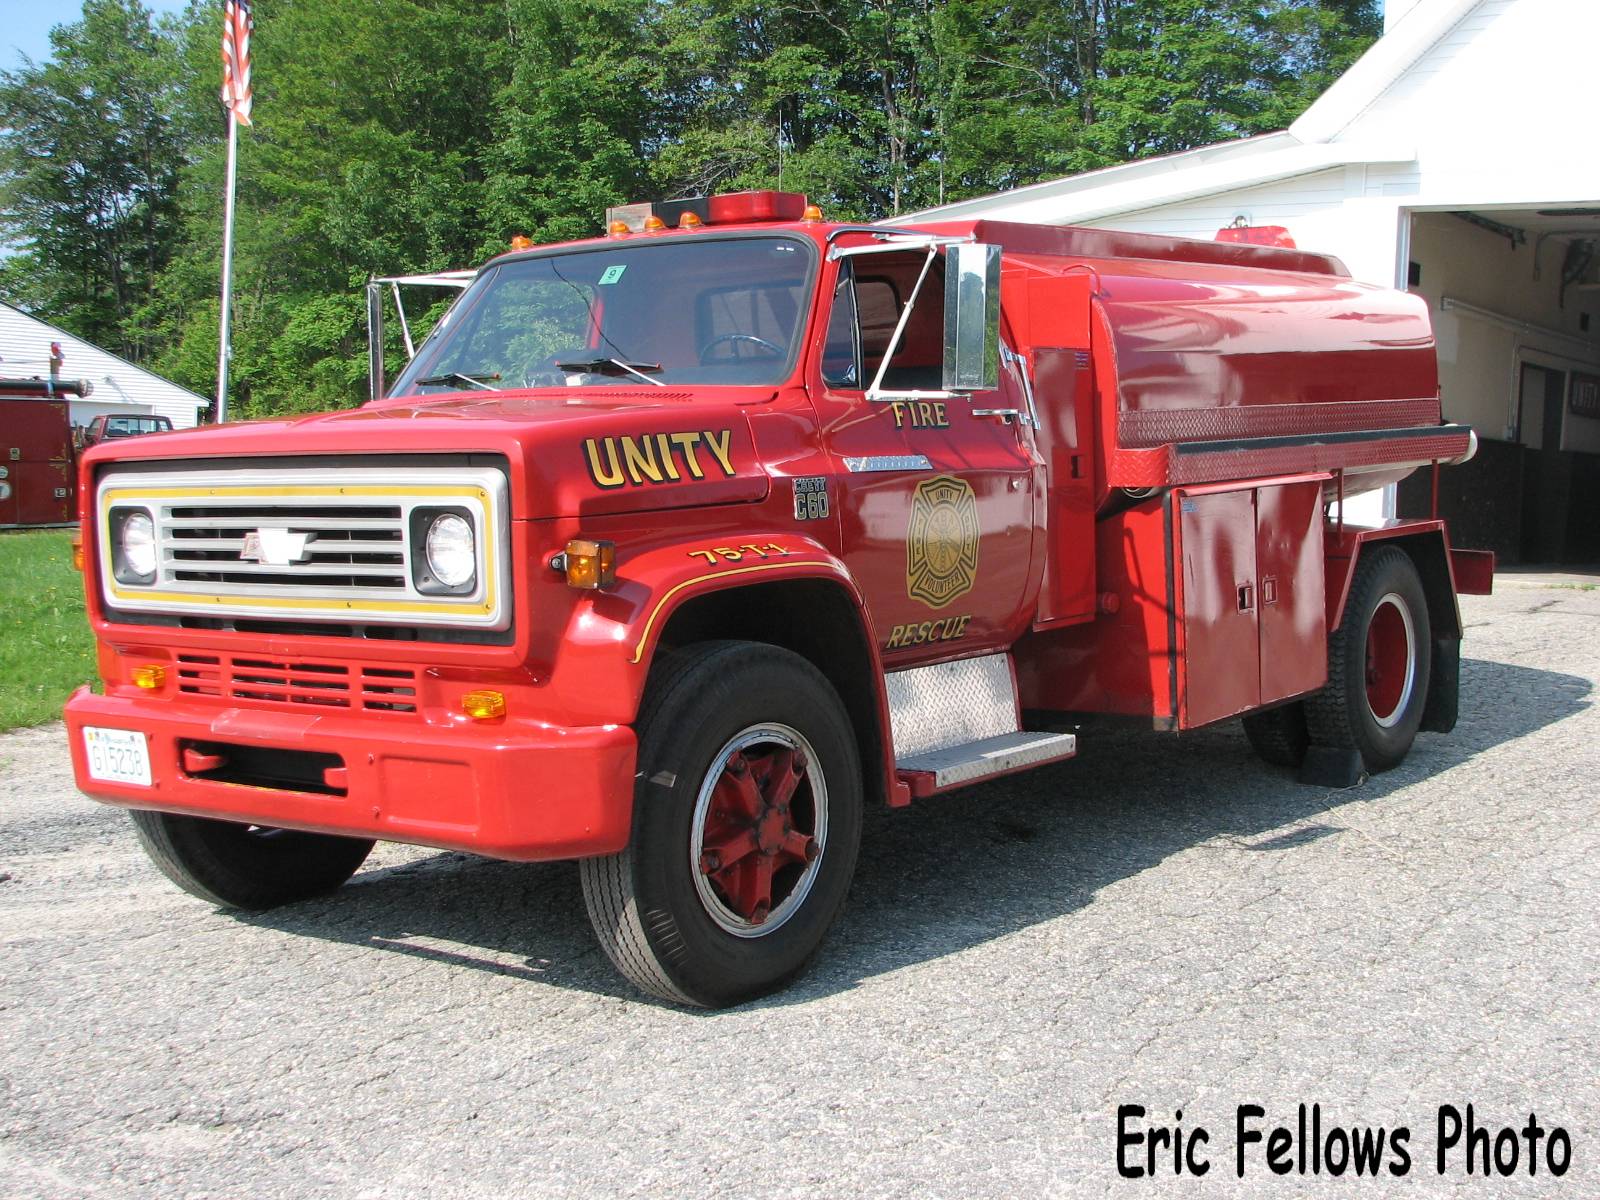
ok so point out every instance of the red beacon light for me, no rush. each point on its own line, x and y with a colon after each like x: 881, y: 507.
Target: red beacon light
x: 1257, y: 235
x: 693, y: 212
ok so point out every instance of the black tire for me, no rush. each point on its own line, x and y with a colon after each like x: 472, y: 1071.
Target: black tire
x: 660, y: 913
x: 1376, y: 710
x: 247, y: 866
x: 1279, y: 735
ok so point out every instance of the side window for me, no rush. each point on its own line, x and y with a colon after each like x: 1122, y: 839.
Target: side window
x: 841, y: 351
x: 878, y: 299
x: 867, y: 306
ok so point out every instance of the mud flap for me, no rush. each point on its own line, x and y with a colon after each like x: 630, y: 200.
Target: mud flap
x: 1444, y: 687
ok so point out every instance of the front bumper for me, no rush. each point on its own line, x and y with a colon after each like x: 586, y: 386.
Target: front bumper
x: 514, y: 790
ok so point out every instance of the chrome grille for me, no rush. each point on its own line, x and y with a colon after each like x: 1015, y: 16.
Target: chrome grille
x: 237, y: 679
x: 354, y: 547
x: 309, y: 543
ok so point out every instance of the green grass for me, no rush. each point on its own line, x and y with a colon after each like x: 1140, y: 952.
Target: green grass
x: 46, y: 649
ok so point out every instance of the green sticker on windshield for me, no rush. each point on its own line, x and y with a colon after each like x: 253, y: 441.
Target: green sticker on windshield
x: 612, y: 273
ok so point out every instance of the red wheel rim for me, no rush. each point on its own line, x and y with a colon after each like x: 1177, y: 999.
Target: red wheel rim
x: 1391, y: 660
x: 760, y: 826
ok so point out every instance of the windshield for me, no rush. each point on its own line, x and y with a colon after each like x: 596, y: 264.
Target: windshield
x: 126, y: 426
x: 689, y: 310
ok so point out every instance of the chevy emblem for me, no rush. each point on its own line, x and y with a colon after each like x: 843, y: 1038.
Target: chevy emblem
x: 276, y: 547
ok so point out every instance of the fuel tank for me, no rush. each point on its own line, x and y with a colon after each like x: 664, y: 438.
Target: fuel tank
x: 1216, y: 361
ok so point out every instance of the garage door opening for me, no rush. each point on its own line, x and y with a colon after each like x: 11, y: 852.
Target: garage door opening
x: 1515, y: 298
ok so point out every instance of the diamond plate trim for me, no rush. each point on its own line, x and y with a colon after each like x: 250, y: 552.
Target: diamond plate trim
x: 950, y: 704
x: 1142, y: 428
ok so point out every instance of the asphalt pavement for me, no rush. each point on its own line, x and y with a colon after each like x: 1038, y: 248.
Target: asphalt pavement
x: 1164, y: 922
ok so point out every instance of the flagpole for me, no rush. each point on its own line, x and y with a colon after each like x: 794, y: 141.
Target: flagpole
x: 225, y: 352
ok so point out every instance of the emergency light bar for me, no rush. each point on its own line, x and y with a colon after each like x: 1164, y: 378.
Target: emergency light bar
x: 729, y: 208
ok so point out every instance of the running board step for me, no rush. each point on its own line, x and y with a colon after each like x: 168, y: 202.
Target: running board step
x: 956, y: 766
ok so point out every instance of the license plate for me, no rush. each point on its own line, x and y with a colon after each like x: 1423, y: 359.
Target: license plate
x: 117, y: 755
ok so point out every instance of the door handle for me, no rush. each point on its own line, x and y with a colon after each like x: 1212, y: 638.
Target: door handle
x: 1247, y: 597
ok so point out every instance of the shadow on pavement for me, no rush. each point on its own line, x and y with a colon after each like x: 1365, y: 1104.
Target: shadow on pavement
x: 950, y: 873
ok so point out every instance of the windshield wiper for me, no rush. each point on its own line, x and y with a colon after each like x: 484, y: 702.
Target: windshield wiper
x: 613, y: 366
x: 476, y: 381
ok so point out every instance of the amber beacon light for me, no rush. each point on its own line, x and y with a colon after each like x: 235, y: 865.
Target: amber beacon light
x: 588, y: 563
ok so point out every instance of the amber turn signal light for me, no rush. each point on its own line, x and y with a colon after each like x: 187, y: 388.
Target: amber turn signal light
x: 150, y: 677
x: 588, y: 563
x: 484, y: 705
x: 77, y: 549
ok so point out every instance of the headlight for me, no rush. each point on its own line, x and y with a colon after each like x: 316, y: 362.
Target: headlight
x: 451, y: 551
x: 133, y: 541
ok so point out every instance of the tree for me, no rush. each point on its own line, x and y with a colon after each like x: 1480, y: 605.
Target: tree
x: 405, y: 135
x: 88, y: 172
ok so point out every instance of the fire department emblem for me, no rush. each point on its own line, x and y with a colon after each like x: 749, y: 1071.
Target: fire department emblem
x: 942, y: 541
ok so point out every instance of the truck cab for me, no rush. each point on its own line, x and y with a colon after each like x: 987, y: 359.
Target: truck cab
x: 104, y: 427
x: 671, y: 550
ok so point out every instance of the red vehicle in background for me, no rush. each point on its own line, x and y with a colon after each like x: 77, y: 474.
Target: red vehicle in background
x: 105, y: 427
x: 671, y: 550
x: 38, y: 477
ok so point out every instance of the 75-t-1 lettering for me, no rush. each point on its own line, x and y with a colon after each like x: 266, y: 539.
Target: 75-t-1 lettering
x: 736, y: 553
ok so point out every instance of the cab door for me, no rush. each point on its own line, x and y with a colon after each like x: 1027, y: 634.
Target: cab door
x: 936, y: 492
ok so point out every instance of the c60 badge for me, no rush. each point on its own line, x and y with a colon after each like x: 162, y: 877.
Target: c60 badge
x: 942, y: 541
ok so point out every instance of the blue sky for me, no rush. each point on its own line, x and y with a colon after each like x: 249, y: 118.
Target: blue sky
x: 25, y: 25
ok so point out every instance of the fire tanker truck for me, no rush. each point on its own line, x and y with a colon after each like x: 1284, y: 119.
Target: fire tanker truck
x: 672, y: 550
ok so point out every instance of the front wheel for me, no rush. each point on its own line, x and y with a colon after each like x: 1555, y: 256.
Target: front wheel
x: 1378, y: 664
x: 247, y: 866
x: 746, y: 824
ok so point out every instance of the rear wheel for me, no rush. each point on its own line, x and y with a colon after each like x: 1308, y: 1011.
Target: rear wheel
x: 1378, y: 663
x: 1279, y: 735
x: 746, y: 824
x: 247, y: 866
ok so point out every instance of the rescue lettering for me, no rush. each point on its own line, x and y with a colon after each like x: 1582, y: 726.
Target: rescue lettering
x: 919, y: 414
x: 651, y: 458
x: 945, y: 629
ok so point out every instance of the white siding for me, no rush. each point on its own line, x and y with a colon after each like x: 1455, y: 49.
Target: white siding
x: 119, y: 386
x: 1271, y: 204
x: 1500, y: 107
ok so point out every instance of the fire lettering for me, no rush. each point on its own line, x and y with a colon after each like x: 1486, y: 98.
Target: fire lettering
x: 651, y: 458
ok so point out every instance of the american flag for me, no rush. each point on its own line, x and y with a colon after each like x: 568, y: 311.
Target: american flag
x: 236, y: 25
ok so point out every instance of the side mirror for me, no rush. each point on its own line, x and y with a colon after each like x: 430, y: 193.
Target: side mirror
x: 971, y: 318
x: 375, y: 380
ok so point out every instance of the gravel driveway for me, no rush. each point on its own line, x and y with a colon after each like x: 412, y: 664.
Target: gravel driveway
x: 1163, y: 922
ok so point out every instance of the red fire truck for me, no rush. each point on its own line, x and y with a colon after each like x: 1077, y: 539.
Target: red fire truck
x: 671, y: 550
x: 36, y: 467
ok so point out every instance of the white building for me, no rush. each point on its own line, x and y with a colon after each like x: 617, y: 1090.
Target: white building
x: 1454, y: 159
x: 119, y: 386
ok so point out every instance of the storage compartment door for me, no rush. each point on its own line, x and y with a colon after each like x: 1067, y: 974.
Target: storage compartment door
x: 1065, y: 437
x: 1289, y: 590
x: 1221, y: 646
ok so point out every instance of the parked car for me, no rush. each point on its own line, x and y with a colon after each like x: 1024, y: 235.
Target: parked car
x: 103, y: 427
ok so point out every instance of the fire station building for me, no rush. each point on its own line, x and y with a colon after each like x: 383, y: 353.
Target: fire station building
x: 115, y: 386
x: 1454, y: 159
